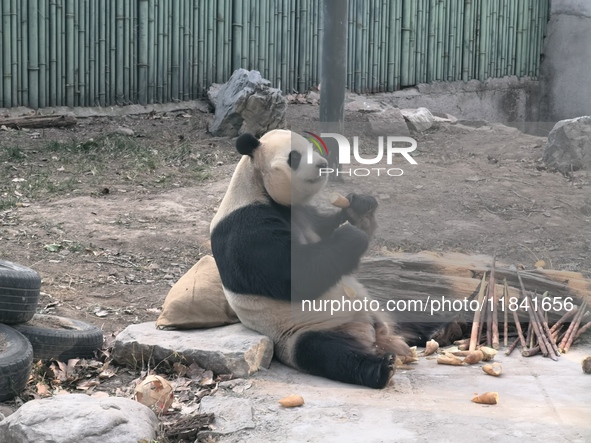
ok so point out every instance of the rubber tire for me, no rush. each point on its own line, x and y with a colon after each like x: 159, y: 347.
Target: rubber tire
x: 15, y: 362
x: 19, y: 293
x: 62, y: 344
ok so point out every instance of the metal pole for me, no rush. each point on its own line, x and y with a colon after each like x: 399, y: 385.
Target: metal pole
x: 333, y: 70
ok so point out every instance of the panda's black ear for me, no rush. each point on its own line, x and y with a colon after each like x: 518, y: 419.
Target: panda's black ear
x: 247, y: 143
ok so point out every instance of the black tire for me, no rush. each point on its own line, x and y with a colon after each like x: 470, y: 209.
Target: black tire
x: 16, y: 360
x: 61, y: 338
x: 19, y: 293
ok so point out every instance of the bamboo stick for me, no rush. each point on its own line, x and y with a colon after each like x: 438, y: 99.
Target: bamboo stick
x: 572, y: 330
x: 476, y: 325
x: 505, y: 312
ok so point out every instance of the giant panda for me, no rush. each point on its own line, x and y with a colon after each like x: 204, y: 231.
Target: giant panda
x: 273, y: 249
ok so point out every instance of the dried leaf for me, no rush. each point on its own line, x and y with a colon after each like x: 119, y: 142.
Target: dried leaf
x: 43, y: 390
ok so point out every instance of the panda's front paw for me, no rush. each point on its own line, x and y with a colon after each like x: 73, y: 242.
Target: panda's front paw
x: 361, y: 212
x: 362, y: 205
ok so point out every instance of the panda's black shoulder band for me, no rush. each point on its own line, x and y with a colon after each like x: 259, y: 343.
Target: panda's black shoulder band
x: 247, y: 143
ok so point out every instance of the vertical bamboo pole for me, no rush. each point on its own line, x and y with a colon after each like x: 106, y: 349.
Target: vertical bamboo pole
x: 453, y: 27
x: 2, y: 12
x: 302, y: 57
x: 43, y: 54
x: 69, y: 60
x: 511, y: 54
x: 151, y: 50
x: 112, y: 52
x: 316, y: 43
x: 431, y: 40
x: 270, y: 43
x: 533, y: 41
x: 211, y: 68
x: 134, y: 51
x: 237, y: 35
x: 188, y: 51
x: 246, y: 25
x: 371, y: 37
x: 23, y: 53
x: 384, y: 21
x: 406, y: 30
x: 459, y: 41
x: 520, y: 38
x: 467, y: 41
x: 358, y: 18
x: 219, y: 40
x: 127, y: 52
x: 350, y: 46
x: 81, y: 52
x: 102, y: 56
x: 160, y: 65
x: 482, y: 40
x: 391, y: 40
x: 183, y: 58
x: 33, y: 98
x: 120, y: 54
x: 201, y: 49
x: 143, y: 6
x: 92, y: 53
x: 12, y: 49
x: 87, y: 94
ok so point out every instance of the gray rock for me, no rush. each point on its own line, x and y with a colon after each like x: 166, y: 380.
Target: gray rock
x: 363, y: 104
x: 229, y: 349
x: 231, y: 414
x: 569, y: 145
x: 247, y: 103
x: 79, y: 418
x: 212, y: 93
x: 390, y: 121
x: 125, y: 131
x: 419, y: 119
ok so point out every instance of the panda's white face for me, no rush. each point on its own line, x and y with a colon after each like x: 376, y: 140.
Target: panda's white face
x: 288, y: 175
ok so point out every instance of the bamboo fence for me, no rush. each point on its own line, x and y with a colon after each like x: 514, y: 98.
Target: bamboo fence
x: 115, y: 52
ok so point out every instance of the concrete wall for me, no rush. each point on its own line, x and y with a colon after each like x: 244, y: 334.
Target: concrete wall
x: 501, y: 100
x: 565, y: 89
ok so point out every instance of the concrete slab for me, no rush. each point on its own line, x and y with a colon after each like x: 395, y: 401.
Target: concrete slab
x: 540, y: 400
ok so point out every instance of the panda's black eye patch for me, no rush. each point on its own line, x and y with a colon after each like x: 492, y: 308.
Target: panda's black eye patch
x: 294, y: 159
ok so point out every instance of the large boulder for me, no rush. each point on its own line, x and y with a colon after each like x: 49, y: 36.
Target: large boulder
x: 232, y: 349
x: 247, y: 103
x: 569, y: 145
x: 77, y: 418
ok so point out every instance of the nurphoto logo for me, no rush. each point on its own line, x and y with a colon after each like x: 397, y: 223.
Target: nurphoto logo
x: 344, y: 154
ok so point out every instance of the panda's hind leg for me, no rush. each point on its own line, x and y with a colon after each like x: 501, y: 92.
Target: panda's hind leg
x: 338, y: 356
x: 387, y: 342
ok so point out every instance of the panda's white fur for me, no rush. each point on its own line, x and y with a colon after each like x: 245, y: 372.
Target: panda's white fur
x: 273, y: 250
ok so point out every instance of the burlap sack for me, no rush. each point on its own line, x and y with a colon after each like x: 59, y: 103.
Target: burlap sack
x: 197, y: 300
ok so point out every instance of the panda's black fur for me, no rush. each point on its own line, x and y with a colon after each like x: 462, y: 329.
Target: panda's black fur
x: 274, y: 250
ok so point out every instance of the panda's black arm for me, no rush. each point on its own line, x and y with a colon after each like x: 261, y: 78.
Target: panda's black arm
x: 255, y: 254
x: 317, y: 267
x: 323, y: 224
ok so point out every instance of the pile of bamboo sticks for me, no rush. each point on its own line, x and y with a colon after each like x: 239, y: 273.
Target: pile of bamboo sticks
x: 539, y: 338
x: 114, y: 52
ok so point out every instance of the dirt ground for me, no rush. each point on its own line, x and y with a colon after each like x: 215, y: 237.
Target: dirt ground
x: 111, y: 221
